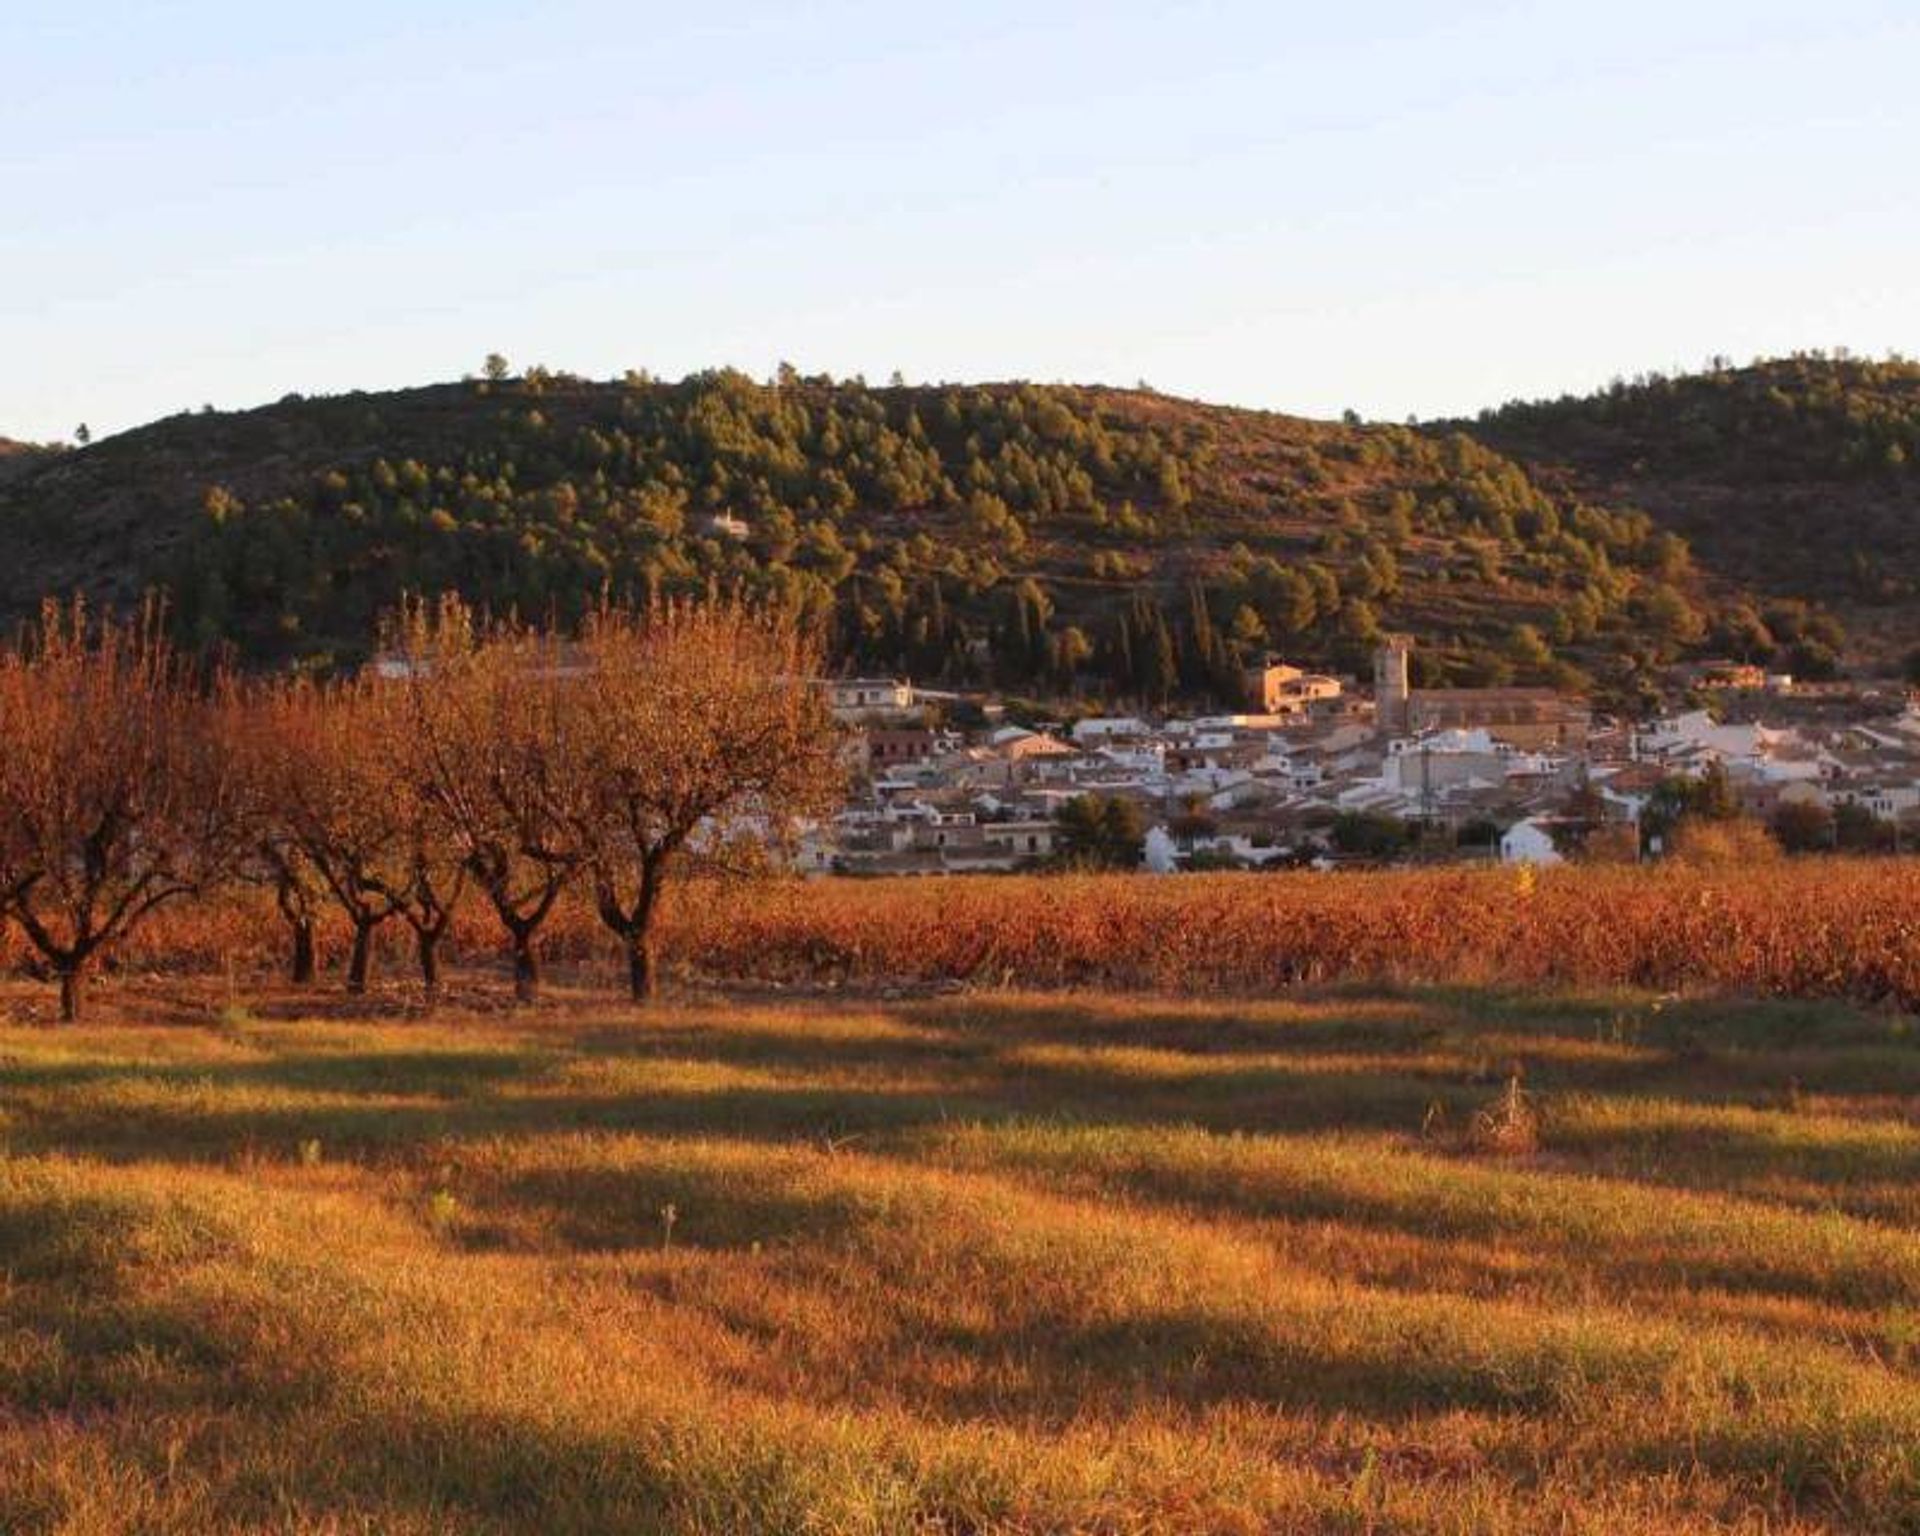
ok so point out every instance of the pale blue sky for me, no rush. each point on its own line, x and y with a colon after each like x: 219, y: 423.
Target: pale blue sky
x: 1396, y: 207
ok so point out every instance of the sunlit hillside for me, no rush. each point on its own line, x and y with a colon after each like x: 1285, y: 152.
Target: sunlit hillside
x: 1797, y: 478
x: 1036, y: 538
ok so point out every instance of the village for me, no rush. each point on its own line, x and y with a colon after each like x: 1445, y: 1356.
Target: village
x: 1317, y: 772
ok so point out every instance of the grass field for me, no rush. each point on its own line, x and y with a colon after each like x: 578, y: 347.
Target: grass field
x: 978, y: 1261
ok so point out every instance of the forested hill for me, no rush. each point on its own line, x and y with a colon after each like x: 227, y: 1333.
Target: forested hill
x: 1799, y: 476
x: 1039, y: 538
x: 16, y: 458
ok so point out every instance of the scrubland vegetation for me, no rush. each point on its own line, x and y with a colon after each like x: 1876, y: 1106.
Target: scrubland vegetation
x: 1362, y: 1260
x: 1798, y: 477
x: 1116, y: 543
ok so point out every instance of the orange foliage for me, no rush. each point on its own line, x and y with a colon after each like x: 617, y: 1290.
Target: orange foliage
x: 1814, y: 928
x: 1832, y: 928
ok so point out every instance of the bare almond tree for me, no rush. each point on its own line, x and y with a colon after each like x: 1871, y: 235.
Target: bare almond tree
x: 331, y: 800
x: 703, y: 740
x: 425, y: 873
x: 341, y: 777
x: 272, y: 858
x: 496, y: 734
x: 116, y: 792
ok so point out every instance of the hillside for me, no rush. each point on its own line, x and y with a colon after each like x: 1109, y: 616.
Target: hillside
x: 1798, y: 477
x: 17, y: 458
x: 1035, y: 537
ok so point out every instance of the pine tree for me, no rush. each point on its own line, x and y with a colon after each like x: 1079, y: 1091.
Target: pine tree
x: 1202, y: 654
x: 1161, y: 661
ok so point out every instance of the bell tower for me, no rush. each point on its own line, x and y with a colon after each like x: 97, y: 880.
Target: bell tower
x: 1391, y: 690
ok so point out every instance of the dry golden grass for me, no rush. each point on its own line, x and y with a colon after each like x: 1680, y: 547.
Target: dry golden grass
x: 1010, y: 1262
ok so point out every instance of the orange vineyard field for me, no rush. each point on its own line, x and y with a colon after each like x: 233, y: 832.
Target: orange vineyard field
x: 1819, y: 928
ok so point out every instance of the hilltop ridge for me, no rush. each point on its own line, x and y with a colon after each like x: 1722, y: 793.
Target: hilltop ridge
x: 1796, y: 477
x: 1037, y: 537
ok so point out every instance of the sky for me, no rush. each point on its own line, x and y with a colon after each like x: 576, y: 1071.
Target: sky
x: 1400, y: 209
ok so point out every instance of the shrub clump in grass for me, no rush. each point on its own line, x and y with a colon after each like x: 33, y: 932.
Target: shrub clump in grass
x: 1507, y: 1127
x: 443, y: 1207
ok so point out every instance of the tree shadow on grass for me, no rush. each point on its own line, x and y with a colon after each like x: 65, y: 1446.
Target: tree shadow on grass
x: 1016, y: 1057
x: 365, y: 1106
x: 609, y: 1210
x: 1053, y: 1369
x: 431, y: 1073
x: 1872, y: 1178
x: 1708, y: 1051
x: 1486, y: 1210
x: 203, y: 1131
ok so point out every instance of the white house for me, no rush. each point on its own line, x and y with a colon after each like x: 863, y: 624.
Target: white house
x: 1098, y: 728
x: 1528, y: 842
x: 854, y: 698
x: 1696, y: 734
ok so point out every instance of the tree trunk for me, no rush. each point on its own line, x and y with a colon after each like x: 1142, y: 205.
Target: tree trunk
x: 526, y: 969
x: 73, y: 991
x: 360, y: 962
x: 303, y: 952
x: 643, y: 966
x: 298, y: 915
x: 636, y: 928
x: 429, y: 946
